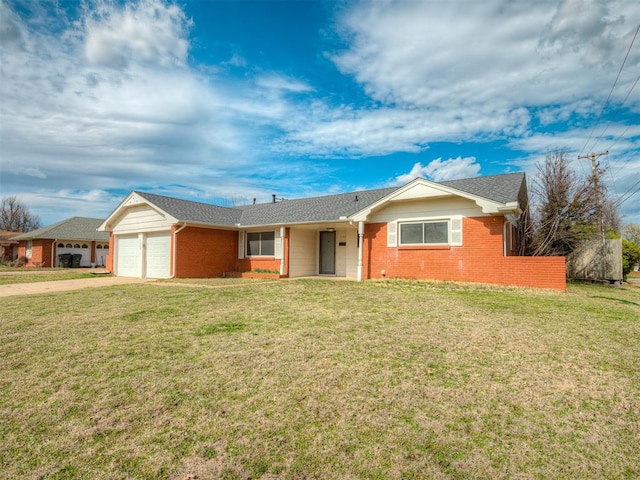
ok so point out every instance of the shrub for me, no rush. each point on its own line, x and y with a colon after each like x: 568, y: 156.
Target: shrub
x: 630, y: 256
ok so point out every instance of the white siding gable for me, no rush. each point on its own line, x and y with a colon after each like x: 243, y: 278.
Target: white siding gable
x: 142, y: 218
x: 435, y: 207
x: 422, y: 191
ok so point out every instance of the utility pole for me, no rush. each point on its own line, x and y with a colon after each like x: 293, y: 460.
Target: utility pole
x: 595, y: 175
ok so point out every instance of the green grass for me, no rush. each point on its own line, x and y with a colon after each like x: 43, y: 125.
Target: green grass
x: 319, y: 379
x: 30, y: 275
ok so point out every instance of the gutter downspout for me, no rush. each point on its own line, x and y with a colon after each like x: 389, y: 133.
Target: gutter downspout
x: 504, y: 237
x: 282, y: 234
x: 53, y: 262
x: 175, y: 248
x: 360, y: 250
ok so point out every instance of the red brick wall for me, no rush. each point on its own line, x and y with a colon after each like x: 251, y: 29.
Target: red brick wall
x: 480, y: 259
x: 205, y: 252
x: 253, y: 263
x: 108, y: 262
x: 40, y: 252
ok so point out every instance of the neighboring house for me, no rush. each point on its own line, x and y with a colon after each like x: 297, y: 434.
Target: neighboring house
x: 76, y: 235
x: 460, y: 230
x: 8, y: 245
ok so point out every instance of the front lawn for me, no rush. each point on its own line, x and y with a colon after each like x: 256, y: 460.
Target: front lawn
x: 30, y: 275
x: 319, y: 379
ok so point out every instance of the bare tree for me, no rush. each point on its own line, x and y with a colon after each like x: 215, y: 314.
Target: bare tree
x: 631, y: 232
x: 569, y: 209
x: 610, y: 217
x: 15, y: 216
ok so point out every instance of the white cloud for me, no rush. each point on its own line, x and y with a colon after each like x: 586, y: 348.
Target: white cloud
x: 278, y: 82
x: 452, y: 72
x: 11, y: 29
x: 50, y: 204
x: 148, y: 32
x: 440, y: 170
x: 111, y: 100
x: 506, y: 53
x: 139, y: 116
x: 32, y: 172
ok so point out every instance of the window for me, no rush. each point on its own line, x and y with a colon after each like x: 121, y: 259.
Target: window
x: 61, y: 245
x: 261, y: 244
x: 424, y: 233
x: 29, y: 248
x: 84, y: 245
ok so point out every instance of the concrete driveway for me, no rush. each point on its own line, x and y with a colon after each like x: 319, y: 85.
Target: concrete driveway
x: 65, y: 285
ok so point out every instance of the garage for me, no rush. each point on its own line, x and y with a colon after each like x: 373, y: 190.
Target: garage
x: 145, y: 255
x: 102, y: 251
x: 80, y: 248
x: 128, y: 259
x: 158, y: 255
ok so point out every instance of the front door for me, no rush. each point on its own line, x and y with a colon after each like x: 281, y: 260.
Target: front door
x: 327, y: 253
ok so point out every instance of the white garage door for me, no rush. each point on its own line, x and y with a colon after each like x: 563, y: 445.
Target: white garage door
x: 82, y: 248
x: 102, y: 250
x: 128, y: 256
x: 158, y: 255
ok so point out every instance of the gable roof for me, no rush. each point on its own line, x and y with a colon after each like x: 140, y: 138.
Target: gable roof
x: 310, y: 210
x: 75, y: 228
x: 8, y: 238
x: 499, y: 190
x: 193, y: 212
x: 504, y: 188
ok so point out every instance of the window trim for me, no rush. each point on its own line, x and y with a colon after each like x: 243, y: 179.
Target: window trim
x: 28, y: 249
x: 423, y: 222
x: 260, y: 255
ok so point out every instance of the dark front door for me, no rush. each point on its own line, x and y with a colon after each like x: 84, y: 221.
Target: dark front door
x: 327, y: 253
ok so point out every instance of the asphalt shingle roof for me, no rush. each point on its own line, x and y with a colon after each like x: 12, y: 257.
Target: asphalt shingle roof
x: 314, y: 209
x: 75, y: 228
x: 187, y: 211
x: 498, y: 188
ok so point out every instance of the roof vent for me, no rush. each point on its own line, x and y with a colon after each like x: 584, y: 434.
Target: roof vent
x: 356, y: 198
x: 254, y: 200
x: 273, y: 198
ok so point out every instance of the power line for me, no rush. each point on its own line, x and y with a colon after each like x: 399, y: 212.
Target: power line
x: 619, y: 137
x: 609, y: 96
x: 628, y: 195
x: 610, y: 122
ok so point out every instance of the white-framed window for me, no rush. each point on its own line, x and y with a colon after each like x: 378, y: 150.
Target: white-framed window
x: 424, y: 233
x: 29, y: 249
x: 261, y: 244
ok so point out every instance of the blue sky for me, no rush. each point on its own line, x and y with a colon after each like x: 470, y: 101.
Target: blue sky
x: 225, y: 101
